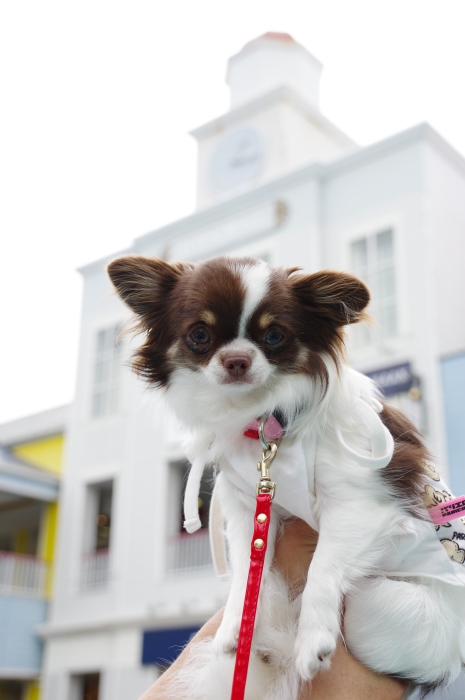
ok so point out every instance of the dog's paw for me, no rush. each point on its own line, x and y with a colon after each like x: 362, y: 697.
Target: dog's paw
x: 313, y: 651
x: 226, y: 638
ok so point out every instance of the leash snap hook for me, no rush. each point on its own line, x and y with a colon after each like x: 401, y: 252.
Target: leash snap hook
x: 261, y: 433
x: 265, y: 485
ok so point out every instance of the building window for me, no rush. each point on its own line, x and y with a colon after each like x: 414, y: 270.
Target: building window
x: 373, y: 259
x: 189, y: 552
x: 107, y: 370
x: 22, y: 571
x: 98, y: 522
x: 104, y: 497
x: 85, y: 686
x: 453, y: 390
x: 205, y: 494
x: 11, y: 690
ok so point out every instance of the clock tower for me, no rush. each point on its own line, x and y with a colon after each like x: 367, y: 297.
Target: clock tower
x: 274, y: 125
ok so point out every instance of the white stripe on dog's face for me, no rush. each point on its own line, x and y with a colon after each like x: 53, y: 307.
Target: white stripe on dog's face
x: 256, y: 279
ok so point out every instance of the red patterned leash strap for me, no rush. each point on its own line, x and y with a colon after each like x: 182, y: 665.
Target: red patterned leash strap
x: 265, y: 494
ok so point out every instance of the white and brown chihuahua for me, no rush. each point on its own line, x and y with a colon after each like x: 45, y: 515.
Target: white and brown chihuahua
x: 231, y: 340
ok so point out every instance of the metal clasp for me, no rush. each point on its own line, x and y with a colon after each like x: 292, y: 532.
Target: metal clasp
x: 265, y: 485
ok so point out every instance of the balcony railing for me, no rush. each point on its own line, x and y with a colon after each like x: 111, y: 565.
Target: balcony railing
x: 21, y: 573
x: 189, y: 552
x: 94, y: 573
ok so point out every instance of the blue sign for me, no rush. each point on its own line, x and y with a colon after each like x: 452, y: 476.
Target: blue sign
x: 162, y: 647
x: 393, y: 380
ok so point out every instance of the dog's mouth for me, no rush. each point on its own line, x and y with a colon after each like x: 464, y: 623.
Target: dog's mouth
x: 238, y: 381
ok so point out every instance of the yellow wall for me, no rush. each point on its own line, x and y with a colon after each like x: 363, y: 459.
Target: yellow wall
x: 21, y: 541
x: 47, y: 543
x: 32, y: 692
x: 46, y: 453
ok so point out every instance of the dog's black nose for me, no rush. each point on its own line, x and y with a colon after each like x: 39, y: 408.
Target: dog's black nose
x: 236, y: 365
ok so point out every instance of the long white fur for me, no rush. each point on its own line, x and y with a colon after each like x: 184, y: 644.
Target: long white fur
x: 411, y: 628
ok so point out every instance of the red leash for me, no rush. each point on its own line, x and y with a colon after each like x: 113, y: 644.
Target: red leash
x: 257, y: 559
x: 265, y: 493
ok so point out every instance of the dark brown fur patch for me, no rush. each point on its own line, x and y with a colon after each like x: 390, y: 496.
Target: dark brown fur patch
x: 215, y: 285
x: 169, y: 299
x: 144, y: 282
x: 147, y: 286
x: 405, y: 475
x: 328, y: 300
x: 299, y: 353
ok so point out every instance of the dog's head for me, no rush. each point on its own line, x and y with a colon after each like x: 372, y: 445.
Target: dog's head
x: 235, y: 328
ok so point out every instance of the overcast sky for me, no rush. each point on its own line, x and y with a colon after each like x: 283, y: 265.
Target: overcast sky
x: 97, y: 98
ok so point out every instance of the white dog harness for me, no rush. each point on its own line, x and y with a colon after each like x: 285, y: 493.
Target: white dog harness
x: 421, y: 548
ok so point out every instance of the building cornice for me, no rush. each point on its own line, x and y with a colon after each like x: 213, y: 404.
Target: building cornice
x: 34, y: 427
x: 274, y: 188
x: 193, y: 613
x: 23, y: 480
x: 222, y: 210
x: 100, y: 263
x: 24, y: 674
x: 423, y: 131
x: 281, y: 94
x: 9, y: 464
x: 447, y: 150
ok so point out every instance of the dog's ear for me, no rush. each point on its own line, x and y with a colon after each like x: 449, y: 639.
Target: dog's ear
x: 288, y: 271
x: 338, y: 296
x: 143, y: 282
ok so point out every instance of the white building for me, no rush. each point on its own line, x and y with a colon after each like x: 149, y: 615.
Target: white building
x: 276, y: 179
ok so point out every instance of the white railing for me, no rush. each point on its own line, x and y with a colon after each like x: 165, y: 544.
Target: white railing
x: 21, y: 573
x: 189, y: 552
x: 94, y: 573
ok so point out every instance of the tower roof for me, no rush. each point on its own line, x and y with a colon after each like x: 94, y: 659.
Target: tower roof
x: 273, y: 60
x: 273, y: 36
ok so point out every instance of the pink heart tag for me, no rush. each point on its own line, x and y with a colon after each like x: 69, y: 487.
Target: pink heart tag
x: 273, y: 429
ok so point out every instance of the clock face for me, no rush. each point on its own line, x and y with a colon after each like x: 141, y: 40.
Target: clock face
x: 236, y: 160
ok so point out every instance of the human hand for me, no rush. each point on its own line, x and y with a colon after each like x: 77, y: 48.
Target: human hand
x: 347, y: 679
x: 294, y: 550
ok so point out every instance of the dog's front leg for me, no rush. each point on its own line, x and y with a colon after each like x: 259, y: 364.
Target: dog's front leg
x: 238, y: 510
x: 343, y: 554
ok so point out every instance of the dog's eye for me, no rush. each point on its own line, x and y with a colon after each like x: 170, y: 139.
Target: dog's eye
x: 200, y: 336
x: 273, y: 337
x: 199, y: 340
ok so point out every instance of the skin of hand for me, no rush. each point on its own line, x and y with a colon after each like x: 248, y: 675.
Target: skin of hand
x: 347, y: 679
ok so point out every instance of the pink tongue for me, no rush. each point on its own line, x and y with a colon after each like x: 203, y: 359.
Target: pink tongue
x: 272, y: 430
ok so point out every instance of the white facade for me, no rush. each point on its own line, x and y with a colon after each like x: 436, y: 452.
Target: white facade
x: 295, y: 190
